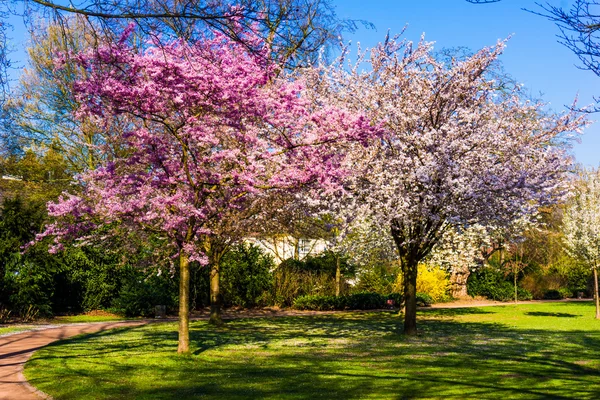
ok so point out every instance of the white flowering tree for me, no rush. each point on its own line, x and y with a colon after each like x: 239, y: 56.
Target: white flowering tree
x: 455, y: 148
x: 581, y: 225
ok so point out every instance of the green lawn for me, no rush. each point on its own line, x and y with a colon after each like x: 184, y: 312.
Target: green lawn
x: 536, y: 351
x: 10, y: 329
x: 73, y: 319
x: 69, y: 319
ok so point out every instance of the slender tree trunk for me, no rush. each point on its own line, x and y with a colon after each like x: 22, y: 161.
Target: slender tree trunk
x: 409, y: 270
x: 515, y: 282
x: 596, y: 292
x: 338, y: 275
x: 184, y: 304
x: 215, y: 292
x: 296, y: 249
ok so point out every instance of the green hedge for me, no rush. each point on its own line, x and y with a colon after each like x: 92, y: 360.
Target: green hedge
x: 424, y: 300
x: 559, y: 294
x: 491, y: 283
x: 356, y: 301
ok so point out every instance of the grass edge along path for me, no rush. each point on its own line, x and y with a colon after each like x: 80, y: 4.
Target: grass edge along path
x: 527, y: 351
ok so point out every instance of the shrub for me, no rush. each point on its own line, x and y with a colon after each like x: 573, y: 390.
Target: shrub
x: 320, y: 303
x: 356, y: 301
x: 559, y: 294
x: 378, y: 278
x: 397, y: 298
x: 246, y: 276
x: 542, y: 281
x: 522, y: 294
x: 431, y: 281
x: 365, y: 301
x: 424, y: 300
x: 293, y: 278
x: 142, y: 291
x: 490, y: 282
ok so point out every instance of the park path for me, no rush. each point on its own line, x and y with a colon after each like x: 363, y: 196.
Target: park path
x: 16, y: 349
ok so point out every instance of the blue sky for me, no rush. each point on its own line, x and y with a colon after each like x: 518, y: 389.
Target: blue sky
x: 533, y: 56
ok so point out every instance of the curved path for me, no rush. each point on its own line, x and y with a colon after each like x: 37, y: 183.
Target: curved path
x: 16, y: 349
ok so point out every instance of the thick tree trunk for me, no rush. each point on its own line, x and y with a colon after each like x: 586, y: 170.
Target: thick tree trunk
x: 596, y: 292
x: 184, y: 304
x: 338, y: 276
x: 458, y: 283
x: 216, y: 299
x: 409, y: 270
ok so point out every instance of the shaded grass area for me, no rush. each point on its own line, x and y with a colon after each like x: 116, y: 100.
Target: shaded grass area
x: 526, y: 351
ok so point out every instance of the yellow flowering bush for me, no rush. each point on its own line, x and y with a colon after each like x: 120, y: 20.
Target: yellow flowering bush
x: 431, y: 280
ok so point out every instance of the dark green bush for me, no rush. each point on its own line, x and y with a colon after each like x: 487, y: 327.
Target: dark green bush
x: 142, y: 291
x: 491, y: 283
x: 320, y: 303
x: 522, y: 294
x: 424, y: 300
x: 246, y: 276
x: 365, y: 301
x: 552, y: 295
x: 562, y: 293
x: 356, y: 301
x: 397, y: 298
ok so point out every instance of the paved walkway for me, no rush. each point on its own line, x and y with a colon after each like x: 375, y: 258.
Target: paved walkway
x: 16, y: 349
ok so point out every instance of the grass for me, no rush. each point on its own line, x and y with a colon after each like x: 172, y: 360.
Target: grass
x: 83, y: 318
x: 10, y: 329
x: 67, y: 319
x: 535, y: 351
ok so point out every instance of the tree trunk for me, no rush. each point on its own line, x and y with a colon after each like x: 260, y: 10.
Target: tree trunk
x: 338, y: 275
x: 184, y: 304
x: 215, y: 292
x: 596, y: 292
x: 515, y: 282
x: 409, y: 270
x: 458, y: 283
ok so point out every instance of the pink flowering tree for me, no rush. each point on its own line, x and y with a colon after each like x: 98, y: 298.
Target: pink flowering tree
x: 457, y: 149
x: 213, y: 128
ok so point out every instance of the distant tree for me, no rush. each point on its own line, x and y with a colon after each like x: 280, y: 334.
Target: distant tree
x: 581, y: 225
x: 41, y: 108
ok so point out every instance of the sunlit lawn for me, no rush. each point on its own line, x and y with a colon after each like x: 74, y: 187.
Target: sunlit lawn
x: 11, y: 329
x: 528, y: 351
x: 73, y: 319
x: 59, y: 320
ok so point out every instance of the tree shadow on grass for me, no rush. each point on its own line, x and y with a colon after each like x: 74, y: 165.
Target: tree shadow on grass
x: 551, y: 314
x: 335, y: 356
x: 452, y: 312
